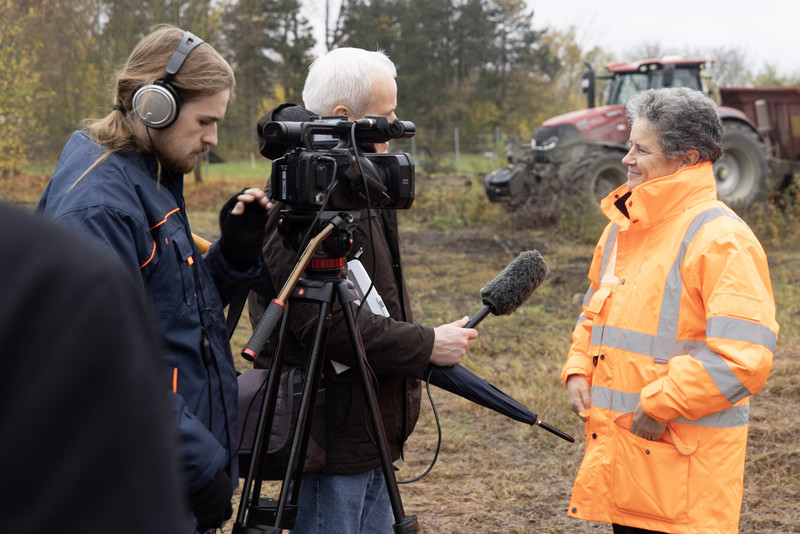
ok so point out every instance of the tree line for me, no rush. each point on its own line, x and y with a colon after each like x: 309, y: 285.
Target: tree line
x: 472, y: 66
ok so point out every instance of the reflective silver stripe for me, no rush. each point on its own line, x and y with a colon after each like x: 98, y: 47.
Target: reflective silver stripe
x: 665, y: 345
x: 661, y: 349
x: 671, y: 300
x: 721, y: 374
x: 588, y: 296
x: 741, y: 330
x: 620, y: 402
x: 721, y: 327
x: 611, y: 238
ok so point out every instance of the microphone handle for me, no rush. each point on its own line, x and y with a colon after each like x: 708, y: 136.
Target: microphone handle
x: 478, y: 317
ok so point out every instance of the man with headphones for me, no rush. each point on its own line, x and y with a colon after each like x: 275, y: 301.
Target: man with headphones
x: 120, y: 181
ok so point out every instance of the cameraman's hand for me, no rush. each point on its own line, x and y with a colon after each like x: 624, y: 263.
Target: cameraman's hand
x: 250, y: 196
x: 450, y: 342
x: 242, y: 221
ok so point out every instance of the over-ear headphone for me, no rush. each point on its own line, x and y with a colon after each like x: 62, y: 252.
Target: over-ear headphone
x: 157, y: 105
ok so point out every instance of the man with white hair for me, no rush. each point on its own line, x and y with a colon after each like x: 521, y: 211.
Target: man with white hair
x: 349, y: 495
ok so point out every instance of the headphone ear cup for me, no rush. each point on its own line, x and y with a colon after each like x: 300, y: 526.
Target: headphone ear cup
x: 157, y: 105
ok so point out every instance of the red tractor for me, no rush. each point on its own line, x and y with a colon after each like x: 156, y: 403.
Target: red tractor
x: 582, y: 150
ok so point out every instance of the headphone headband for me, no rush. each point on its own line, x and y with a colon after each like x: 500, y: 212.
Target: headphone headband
x: 189, y: 42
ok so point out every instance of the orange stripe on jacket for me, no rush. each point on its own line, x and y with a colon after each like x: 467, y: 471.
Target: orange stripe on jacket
x: 153, y: 253
x: 165, y: 218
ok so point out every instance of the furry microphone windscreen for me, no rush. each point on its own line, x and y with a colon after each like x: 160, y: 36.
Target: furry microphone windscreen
x: 515, y: 284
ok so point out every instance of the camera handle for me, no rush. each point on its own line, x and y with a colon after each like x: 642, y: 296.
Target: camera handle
x: 259, y: 515
x: 365, y: 182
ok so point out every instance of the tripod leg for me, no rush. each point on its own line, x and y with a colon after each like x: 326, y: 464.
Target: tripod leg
x: 253, y: 478
x: 403, y: 524
x: 256, y: 522
x: 294, y: 472
x: 273, y: 516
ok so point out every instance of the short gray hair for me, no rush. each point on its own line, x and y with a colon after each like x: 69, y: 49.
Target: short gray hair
x: 685, y: 119
x: 344, y: 76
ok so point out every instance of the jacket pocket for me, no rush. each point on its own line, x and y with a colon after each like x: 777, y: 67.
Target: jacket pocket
x: 651, y: 478
x: 598, y: 300
x: 171, y: 275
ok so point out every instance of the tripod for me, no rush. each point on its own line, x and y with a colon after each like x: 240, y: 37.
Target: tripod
x: 322, y: 285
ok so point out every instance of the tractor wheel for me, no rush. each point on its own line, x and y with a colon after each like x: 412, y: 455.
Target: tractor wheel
x: 741, y: 171
x: 603, y: 174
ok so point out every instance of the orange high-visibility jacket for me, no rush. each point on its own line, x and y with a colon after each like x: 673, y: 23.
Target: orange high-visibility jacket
x: 679, y: 316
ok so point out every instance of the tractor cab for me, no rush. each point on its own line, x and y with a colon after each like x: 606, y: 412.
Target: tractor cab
x: 629, y: 78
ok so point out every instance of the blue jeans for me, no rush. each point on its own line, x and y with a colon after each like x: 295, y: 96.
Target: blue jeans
x: 344, y: 504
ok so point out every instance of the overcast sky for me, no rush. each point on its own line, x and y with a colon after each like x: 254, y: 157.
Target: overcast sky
x: 762, y: 30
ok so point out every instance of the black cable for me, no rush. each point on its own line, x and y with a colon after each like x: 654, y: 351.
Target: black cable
x: 364, y: 299
x: 205, y: 342
x: 206, y: 351
x: 369, y: 214
x: 373, y: 378
x: 438, y: 431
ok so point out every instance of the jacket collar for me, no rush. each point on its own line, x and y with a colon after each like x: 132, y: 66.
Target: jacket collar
x: 660, y: 198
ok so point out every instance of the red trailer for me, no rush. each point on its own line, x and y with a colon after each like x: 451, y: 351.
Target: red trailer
x: 776, y: 113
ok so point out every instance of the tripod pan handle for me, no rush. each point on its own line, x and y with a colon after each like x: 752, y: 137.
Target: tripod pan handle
x: 263, y: 330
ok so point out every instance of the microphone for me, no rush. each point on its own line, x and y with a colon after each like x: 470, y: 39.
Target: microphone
x: 513, y: 286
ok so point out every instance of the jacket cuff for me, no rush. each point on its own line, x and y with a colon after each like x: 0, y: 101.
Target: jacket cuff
x: 577, y: 366
x: 228, y: 280
x: 653, y: 404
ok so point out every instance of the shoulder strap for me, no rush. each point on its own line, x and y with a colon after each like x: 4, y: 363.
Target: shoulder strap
x: 235, y: 310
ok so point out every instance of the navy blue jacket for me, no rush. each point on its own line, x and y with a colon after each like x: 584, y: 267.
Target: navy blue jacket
x: 143, y: 221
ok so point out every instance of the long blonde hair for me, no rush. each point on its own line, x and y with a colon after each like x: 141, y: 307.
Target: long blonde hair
x: 203, y: 73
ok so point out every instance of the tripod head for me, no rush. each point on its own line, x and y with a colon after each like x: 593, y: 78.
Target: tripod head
x: 295, y: 225
x: 328, y: 254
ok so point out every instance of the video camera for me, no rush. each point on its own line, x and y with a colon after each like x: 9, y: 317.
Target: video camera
x: 325, y: 169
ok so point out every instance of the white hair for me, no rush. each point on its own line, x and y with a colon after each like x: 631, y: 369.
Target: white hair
x: 343, y: 77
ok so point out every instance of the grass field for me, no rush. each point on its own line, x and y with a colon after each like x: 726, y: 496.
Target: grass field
x: 494, y: 475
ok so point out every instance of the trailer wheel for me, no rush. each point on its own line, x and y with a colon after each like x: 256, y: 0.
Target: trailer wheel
x: 604, y: 173
x: 741, y: 171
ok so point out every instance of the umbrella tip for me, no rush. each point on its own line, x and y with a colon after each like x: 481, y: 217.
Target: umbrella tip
x: 555, y: 431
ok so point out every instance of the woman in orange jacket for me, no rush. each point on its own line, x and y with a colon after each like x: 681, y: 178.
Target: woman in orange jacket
x: 678, y: 330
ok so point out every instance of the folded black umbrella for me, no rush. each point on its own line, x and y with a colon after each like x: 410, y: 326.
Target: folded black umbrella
x: 464, y: 383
